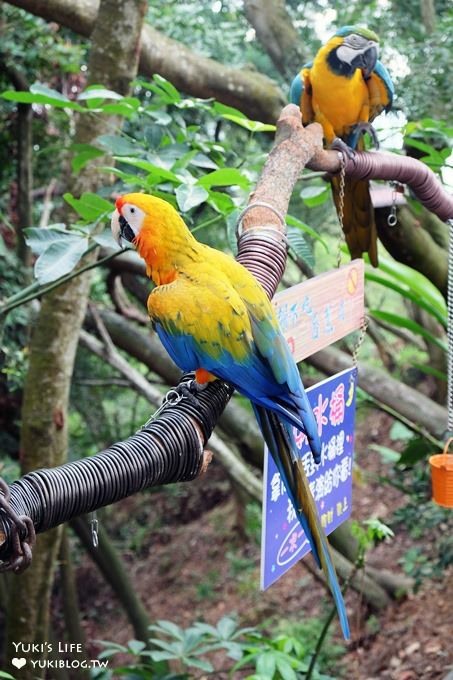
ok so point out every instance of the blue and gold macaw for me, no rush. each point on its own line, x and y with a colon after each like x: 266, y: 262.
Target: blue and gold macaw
x: 344, y: 88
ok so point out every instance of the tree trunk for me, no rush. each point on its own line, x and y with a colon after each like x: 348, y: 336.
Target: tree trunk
x: 74, y: 630
x: 112, y: 568
x: 275, y: 31
x: 253, y: 93
x: 113, y: 63
x: 428, y: 13
x: 24, y: 164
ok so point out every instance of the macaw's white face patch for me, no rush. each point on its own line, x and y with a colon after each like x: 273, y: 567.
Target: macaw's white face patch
x: 128, y: 223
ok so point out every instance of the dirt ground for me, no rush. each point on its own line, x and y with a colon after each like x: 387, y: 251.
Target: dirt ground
x: 188, y: 561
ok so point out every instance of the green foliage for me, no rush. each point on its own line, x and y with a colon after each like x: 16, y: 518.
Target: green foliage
x: 170, y: 159
x: 368, y: 533
x: 430, y: 528
x: 284, y: 656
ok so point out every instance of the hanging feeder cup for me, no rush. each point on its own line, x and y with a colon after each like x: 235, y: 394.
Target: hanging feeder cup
x: 442, y: 476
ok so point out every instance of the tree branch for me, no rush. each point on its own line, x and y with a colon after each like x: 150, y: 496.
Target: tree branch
x: 251, y: 92
x: 275, y: 31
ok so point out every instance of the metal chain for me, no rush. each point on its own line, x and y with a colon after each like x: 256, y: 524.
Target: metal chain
x: 23, y: 536
x: 341, y: 206
x: 392, y: 219
x: 360, y: 339
x: 450, y: 329
x: 171, y: 398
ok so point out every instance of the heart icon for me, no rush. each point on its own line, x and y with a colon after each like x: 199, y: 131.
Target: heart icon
x: 19, y: 662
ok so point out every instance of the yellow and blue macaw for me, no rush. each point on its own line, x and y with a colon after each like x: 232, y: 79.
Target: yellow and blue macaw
x: 214, y: 318
x: 344, y: 88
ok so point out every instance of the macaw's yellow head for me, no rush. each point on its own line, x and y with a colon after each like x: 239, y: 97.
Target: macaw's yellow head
x: 352, y: 47
x: 140, y: 217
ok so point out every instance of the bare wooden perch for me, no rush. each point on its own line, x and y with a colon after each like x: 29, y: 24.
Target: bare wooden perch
x: 49, y: 497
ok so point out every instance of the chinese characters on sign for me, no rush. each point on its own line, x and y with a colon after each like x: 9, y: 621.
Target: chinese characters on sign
x: 283, y: 540
x: 317, y: 312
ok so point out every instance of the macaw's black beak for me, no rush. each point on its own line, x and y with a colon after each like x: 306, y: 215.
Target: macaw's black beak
x: 366, y: 61
x: 125, y: 230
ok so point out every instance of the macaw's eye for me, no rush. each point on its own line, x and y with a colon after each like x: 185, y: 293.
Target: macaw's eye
x: 132, y: 210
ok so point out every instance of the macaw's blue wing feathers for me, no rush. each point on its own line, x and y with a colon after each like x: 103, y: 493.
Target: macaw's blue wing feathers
x: 381, y: 90
x: 247, y: 349
x: 295, y: 92
x: 280, y: 441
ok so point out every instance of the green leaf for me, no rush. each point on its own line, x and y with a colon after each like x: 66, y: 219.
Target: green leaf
x: 294, y: 222
x: 123, y: 108
x: 300, y: 246
x: 266, y: 664
x: 400, y: 431
x: 154, y: 171
x: 402, y: 322
x: 202, y: 664
x: 38, y: 239
x: 236, y: 116
x: 422, y: 146
x: 89, y: 206
x: 189, y: 196
x: 128, y: 178
x: 163, y: 88
x: 169, y: 627
x: 430, y: 370
x: 7, y: 676
x: 98, y: 92
x: 415, y: 281
x: 162, y: 656
x: 105, y: 239
x: 221, y: 202
x: 160, y: 117
x: 119, y: 146
x: 136, y: 646
x: 377, y: 530
x: 405, y: 291
x: 224, y: 177
x: 170, y: 90
x: 250, y: 125
x: 417, y: 449
x: 223, y: 109
x: 84, y: 154
x: 60, y: 258
x: 388, y: 455
x: 203, y: 161
x: 41, y: 94
x: 314, y: 195
x: 285, y: 669
x: 226, y: 627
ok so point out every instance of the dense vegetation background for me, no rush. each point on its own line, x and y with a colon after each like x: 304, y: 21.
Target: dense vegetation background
x: 82, y: 119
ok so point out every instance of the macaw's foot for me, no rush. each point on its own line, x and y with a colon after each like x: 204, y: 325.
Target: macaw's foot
x: 339, y: 145
x: 362, y: 128
x: 189, y: 390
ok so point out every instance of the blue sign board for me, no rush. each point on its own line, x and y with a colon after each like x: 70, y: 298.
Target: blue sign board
x: 283, y: 540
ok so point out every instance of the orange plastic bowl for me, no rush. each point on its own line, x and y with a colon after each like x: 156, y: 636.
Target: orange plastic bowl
x: 442, y: 479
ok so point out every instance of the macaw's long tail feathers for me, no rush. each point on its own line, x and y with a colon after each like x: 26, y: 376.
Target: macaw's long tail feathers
x: 358, y: 217
x: 280, y: 441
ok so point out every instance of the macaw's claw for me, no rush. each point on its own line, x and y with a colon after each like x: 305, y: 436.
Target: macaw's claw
x: 189, y: 390
x: 362, y: 128
x: 339, y: 145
